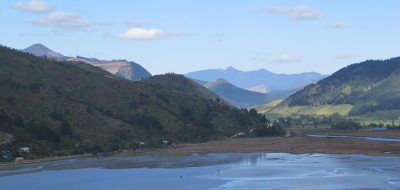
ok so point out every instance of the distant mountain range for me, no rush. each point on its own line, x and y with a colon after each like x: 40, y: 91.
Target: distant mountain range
x: 132, y: 71
x: 243, y: 98
x: 252, y: 88
x: 122, y: 68
x: 63, y: 108
x: 368, y: 88
x: 259, y: 80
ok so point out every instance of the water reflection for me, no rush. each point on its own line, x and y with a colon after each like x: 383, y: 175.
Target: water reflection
x: 313, y: 171
x: 214, y: 171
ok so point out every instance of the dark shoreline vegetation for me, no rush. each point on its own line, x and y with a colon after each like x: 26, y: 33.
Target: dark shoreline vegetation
x: 334, y: 122
x: 50, y: 108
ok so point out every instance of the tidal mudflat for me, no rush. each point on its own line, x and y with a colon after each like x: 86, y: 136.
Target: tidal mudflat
x: 211, y: 171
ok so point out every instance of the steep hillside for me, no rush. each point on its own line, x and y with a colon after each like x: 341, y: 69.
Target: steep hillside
x: 121, y: 68
x: 262, y: 77
x: 180, y: 83
x: 363, y: 88
x: 243, y: 98
x: 61, y: 108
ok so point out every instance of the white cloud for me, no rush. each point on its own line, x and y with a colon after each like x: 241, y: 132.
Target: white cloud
x: 297, y: 13
x: 286, y: 58
x: 137, y: 33
x: 34, y: 6
x: 63, y: 20
x: 337, y: 25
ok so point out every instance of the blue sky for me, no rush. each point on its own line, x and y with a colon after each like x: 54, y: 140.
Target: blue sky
x: 188, y: 35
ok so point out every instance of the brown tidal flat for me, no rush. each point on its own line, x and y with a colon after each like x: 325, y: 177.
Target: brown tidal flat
x: 358, y: 133
x: 300, y: 144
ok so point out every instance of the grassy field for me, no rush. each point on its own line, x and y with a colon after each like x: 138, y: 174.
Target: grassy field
x: 267, y: 107
x: 326, y: 110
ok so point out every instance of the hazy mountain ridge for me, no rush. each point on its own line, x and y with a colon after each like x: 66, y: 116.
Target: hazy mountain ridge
x: 243, y: 98
x: 121, y: 68
x: 249, y: 79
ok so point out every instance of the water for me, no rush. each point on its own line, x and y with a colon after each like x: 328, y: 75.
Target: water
x: 211, y: 171
x: 354, y: 137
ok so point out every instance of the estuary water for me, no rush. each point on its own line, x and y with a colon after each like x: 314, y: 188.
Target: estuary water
x: 209, y: 171
x: 356, y: 137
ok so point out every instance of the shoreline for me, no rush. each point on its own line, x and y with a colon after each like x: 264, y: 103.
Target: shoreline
x: 299, y: 143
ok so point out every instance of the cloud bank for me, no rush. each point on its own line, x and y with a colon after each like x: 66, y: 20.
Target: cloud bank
x: 296, y: 13
x: 137, y: 33
x: 34, y: 6
x: 62, y: 20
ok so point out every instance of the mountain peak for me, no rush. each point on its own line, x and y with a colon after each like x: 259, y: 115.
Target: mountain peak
x: 230, y: 68
x: 41, y: 50
x: 38, y: 46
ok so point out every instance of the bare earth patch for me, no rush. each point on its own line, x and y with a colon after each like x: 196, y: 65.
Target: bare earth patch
x: 300, y: 144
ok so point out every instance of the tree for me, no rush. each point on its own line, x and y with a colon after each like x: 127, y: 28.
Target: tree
x: 65, y: 128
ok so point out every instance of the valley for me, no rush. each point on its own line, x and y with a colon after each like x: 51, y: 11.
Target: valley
x: 171, y: 95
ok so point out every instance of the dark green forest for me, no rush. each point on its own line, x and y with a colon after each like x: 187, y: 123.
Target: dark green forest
x: 64, y: 108
x: 370, y: 86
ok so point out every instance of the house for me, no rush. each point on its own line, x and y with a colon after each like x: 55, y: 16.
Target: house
x: 25, y: 149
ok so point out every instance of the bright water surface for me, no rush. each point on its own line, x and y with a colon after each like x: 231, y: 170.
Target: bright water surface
x: 210, y: 171
x: 355, y: 137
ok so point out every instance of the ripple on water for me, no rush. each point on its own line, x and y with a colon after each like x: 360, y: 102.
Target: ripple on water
x: 392, y: 169
x: 394, y: 182
x: 338, y: 172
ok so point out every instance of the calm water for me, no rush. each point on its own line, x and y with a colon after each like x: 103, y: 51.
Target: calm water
x: 354, y: 137
x: 211, y: 171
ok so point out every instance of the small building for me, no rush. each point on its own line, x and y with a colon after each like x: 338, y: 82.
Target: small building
x: 18, y: 159
x: 25, y: 149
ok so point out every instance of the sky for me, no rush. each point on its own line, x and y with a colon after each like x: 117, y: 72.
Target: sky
x: 180, y: 36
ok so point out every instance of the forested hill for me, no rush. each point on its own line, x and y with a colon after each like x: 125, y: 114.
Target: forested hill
x: 243, y: 98
x: 366, y: 87
x: 62, y: 108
